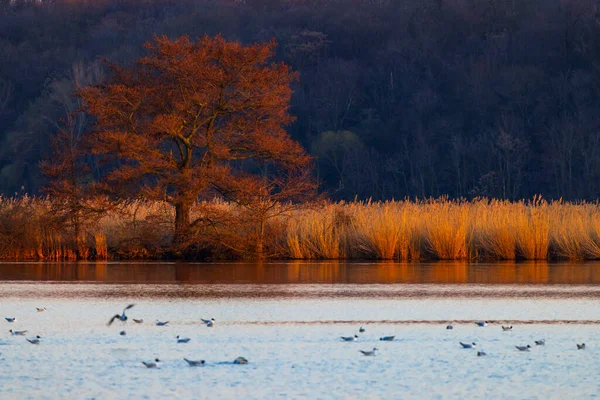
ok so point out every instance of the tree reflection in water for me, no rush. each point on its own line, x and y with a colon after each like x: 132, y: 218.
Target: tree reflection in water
x: 442, y: 272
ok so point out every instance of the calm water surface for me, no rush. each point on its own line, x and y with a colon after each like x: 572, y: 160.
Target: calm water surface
x: 286, y: 318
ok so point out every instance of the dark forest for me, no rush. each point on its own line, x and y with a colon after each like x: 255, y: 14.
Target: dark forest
x: 395, y: 99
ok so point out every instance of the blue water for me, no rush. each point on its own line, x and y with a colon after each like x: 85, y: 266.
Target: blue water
x: 290, y: 335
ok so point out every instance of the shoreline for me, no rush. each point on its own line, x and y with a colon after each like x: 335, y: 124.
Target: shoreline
x: 481, y: 230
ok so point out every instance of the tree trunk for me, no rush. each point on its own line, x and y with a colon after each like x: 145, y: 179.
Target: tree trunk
x: 260, y: 240
x: 182, y: 223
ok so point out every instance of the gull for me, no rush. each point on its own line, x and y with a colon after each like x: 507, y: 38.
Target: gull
x: 468, y: 345
x: 208, y: 322
x: 369, y: 352
x: 40, y: 309
x: 122, y: 333
x: 361, y: 330
x: 540, y: 342
x: 506, y: 328
x: 523, y: 348
x: 151, y: 364
x: 138, y: 321
x: 10, y: 319
x: 387, y: 338
x: 159, y: 323
x: 17, y: 333
x: 481, y: 323
x: 193, y: 363
x: 481, y: 353
x: 349, y: 338
x: 182, y: 339
x: 449, y: 327
x: 121, y: 317
x: 581, y: 346
x: 35, y: 340
x: 240, y: 360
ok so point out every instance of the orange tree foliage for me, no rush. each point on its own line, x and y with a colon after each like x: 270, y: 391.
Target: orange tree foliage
x: 189, y: 117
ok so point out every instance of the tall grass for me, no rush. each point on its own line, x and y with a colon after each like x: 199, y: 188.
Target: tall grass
x: 495, y: 229
x: 386, y: 231
x: 533, y: 229
x: 319, y: 234
x: 482, y: 229
x: 574, y: 231
x: 447, y: 229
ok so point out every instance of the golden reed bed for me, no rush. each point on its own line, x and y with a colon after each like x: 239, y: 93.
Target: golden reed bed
x: 394, y: 230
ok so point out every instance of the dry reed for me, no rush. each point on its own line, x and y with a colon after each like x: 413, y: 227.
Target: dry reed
x: 385, y: 231
x: 447, y: 229
x: 319, y: 234
x: 401, y: 230
x: 533, y: 229
x: 495, y: 229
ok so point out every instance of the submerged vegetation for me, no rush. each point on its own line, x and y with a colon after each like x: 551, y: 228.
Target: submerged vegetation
x: 31, y: 229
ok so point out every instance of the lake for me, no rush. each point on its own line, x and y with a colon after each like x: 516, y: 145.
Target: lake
x: 286, y: 318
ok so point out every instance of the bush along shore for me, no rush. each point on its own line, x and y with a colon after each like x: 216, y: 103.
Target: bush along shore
x: 31, y: 228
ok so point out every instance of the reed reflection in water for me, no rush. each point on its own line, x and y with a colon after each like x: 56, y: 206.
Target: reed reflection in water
x: 329, y: 272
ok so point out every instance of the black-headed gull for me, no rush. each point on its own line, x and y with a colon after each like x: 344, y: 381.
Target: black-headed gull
x: 151, y: 364
x: 349, y: 338
x: 240, y: 360
x: 481, y: 323
x: 369, y: 352
x: 35, y: 340
x: 506, y: 328
x: 468, y: 345
x: 182, y: 339
x: 387, y: 338
x: 159, y: 323
x: 581, y: 346
x: 523, y: 348
x: 540, y: 342
x: 194, y: 363
x: 17, y: 333
x: 122, y: 317
x: 208, y: 322
x: 10, y: 319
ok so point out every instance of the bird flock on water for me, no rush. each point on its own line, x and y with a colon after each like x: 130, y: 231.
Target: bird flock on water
x: 524, y: 347
x: 464, y: 345
x: 122, y: 317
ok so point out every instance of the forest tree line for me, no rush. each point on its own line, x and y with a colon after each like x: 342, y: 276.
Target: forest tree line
x: 398, y: 98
